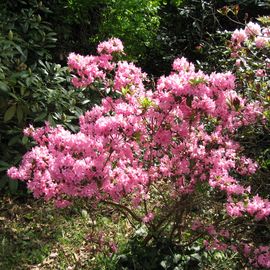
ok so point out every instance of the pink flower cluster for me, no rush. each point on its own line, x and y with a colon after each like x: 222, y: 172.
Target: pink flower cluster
x: 220, y: 239
x: 128, y: 76
x: 255, y: 206
x: 148, y: 218
x: 144, y: 137
x: 217, y: 238
x: 113, y: 45
x: 250, y: 47
x: 258, y: 257
x: 252, y: 33
x: 91, y: 69
x: 94, y: 68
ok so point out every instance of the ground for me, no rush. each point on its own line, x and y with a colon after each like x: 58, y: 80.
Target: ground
x: 35, y: 235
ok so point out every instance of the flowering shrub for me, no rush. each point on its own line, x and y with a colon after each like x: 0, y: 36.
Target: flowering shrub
x: 250, y: 56
x: 155, y: 154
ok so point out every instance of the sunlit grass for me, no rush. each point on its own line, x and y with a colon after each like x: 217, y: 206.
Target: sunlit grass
x: 35, y: 235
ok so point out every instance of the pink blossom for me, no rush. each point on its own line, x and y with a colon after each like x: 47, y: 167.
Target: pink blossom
x: 239, y: 36
x: 261, y: 42
x: 113, y: 45
x: 238, y: 62
x: 62, y: 203
x: 266, y: 32
x: 252, y: 29
x: 260, y: 72
x: 181, y: 64
x: 196, y: 225
x: 148, y: 218
x: 113, y: 247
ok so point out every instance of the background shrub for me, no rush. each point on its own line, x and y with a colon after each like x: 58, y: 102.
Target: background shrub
x: 32, y: 90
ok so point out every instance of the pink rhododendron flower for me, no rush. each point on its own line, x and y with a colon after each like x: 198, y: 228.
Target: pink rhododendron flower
x: 261, y: 42
x: 181, y: 64
x: 62, y: 203
x: 253, y: 29
x: 113, y: 45
x: 238, y: 62
x: 260, y: 72
x: 239, y: 36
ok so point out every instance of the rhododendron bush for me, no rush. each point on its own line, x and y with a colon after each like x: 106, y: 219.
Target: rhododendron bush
x: 164, y: 154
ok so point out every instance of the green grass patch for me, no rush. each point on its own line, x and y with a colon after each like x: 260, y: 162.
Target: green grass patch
x: 35, y: 235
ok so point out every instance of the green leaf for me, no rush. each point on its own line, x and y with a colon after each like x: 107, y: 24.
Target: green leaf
x: 137, y: 136
x: 13, y: 185
x: 19, y: 49
x: 51, y: 121
x: 165, y: 264
x: 25, y: 140
x: 3, y: 165
x: 71, y: 127
x: 22, y: 90
x: 197, y: 81
x: 28, y: 81
x: 19, y: 113
x: 85, y: 214
x: 3, y: 181
x: 86, y: 101
x: 146, y: 103
x: 41, y: 117
x: 176, y: 258
x: 4, y: 87
x: 10, y: 35
x: 10, y: 112
x: 12, y: 95
x: 196, y: 256
x: 14, y: 140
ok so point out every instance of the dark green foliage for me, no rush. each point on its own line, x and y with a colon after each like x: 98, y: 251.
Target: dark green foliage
x: 32, y: 90
x: 163, y: 253
x: 75, y: 22
x: 159, y: 256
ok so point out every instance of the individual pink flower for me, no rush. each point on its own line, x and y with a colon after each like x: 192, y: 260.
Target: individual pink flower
x: 196, y: 225
x: 266, y: 32
x: 239, y: 36
x: 261, y: 42
x: 253, y: 29
x: 113, y: 247
x: 113, y: 45
x: 181, y: 64
x: 238, y: 62
x: 148, y: 218
x: 260, y: 72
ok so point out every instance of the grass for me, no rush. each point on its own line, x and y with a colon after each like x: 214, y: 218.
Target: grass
x: 35, y: 235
